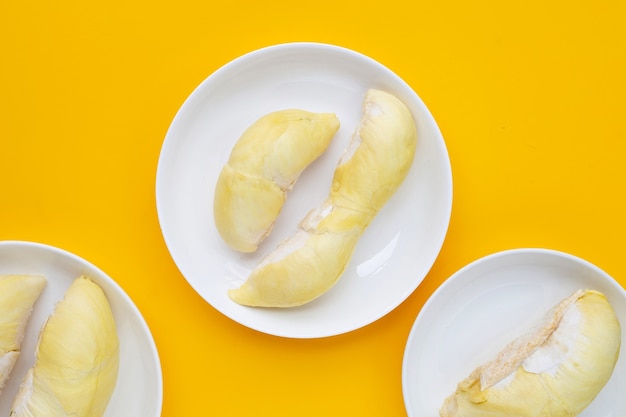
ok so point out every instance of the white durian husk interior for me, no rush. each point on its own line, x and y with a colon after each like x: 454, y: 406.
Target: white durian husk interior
x: 555, y: 370
x: 372, y: 167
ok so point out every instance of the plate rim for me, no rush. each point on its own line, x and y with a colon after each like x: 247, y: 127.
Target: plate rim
x: 438, y: 142
x: 412, y: 335
x: 120, y: 293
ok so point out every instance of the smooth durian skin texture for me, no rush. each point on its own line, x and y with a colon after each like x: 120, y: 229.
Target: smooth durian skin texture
x: 77, y: 358
x: 555, y: 371
x: 18, y: 294
x: 370, y: 171
x: 262, y: 168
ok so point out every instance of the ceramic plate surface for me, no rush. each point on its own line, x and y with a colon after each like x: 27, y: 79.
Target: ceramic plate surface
x: 138, y: 392
x: 485, y: 305
x: 395, y: 252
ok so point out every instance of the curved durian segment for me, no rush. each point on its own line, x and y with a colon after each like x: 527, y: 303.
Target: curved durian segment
x: 18, y: 294
x: 371, y: 169
x: 306, y: 265
x: 553, y: 371
x: 77, y: 359
x: 379, y: 156
x: 263, y: 166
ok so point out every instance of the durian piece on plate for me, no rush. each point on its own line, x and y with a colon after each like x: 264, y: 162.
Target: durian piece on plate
x: 18, y: 294
x: 262, y: 168
x: 77, y: 358
x: 555, y: 370
x: 371, y: 169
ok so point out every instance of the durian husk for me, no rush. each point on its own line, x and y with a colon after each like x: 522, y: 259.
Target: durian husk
x: 554, y: 371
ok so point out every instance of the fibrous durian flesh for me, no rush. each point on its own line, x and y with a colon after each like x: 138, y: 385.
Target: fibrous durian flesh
x: 369, y: 172
x: 77, y: 358
x: 18, y: 294
x: 263, y: 166
x: 553, y: 371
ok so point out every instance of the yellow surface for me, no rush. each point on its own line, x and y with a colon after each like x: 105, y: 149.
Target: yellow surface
x: 530, y: 97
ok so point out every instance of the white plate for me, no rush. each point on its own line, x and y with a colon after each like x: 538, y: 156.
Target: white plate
x: 138, y: 392
x: 485, y: 305
x: 394, y: 254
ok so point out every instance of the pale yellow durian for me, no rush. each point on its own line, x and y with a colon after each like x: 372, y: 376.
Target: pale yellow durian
x: 553, y: 371
x: 306, y: 265
x: 77, y: 358
x: 379, y: 156
x: 371, y: 169
x: 262, y: 168
x: 18, y: 294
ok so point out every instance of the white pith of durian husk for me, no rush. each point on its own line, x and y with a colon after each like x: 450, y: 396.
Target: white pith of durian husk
x: 553, y: 371
x: 77, y: 358
x: 262, y: 168
x: 308, y: 264
x: 18, y: 294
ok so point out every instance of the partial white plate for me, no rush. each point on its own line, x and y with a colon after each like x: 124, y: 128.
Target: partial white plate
x: 485, y: 305
x: 139, y: 389
x: 396, y: 251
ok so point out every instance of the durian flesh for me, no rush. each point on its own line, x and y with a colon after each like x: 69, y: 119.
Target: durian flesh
x: 553, y: 371
x: 18, y: 294
x: 370, y: 171
x: 263, y: 166
x: 77, y: 358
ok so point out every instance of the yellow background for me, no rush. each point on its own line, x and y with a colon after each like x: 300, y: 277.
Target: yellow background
x: 530, y: 97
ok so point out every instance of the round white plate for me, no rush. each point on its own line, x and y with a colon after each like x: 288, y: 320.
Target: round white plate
x: 396, y: 251
x: 139, y: 388
x: 485, y: 305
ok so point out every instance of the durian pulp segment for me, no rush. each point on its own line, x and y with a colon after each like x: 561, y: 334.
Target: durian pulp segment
x: 245, y: 208
x: 262, y: 167
x: 18, y: 294
x: 370, y: 171
x: 379, y: 157
x: 77, y: 358
x: 554, y: 371
x: 281, y: 144
x: 303, y: 267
